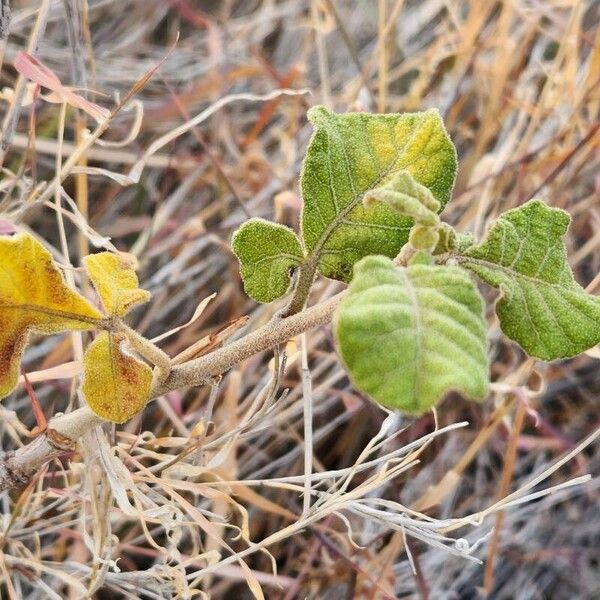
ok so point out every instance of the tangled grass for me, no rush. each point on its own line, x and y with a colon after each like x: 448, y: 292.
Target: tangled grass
x: 206, y: 494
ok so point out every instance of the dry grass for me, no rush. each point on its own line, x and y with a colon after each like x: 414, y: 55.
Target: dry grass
x: 202, y: 495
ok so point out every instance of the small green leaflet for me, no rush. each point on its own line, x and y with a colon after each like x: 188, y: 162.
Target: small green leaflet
x: 541, y: 306
x: 350, y: 154
x: 407, y: 197
x: 411, y: 199
x: 410, y: 335
x: 266, y: 251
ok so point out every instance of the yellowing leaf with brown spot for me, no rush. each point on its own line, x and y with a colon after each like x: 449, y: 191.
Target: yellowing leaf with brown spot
x: 33, y: 297
x: 114, y: 278
x: 116, y: 385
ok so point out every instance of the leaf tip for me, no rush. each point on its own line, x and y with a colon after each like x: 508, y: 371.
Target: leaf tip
x: 115, y: 281
x: 319, y: 114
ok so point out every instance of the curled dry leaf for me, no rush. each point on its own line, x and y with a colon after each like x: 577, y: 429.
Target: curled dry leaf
x: 34, y: 70
x: 197, y: 314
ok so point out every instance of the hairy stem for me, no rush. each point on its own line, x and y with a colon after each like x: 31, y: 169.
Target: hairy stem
x: 17, y: 468
x: 151, y: 352
x: 306, y: 276
x: 272, y: 334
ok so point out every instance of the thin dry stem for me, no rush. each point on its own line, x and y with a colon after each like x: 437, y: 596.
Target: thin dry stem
x: 20, y: 466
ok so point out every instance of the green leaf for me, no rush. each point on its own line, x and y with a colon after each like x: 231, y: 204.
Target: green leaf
x: 266, y: 251
x: 448, y: 239
x: 462, y: 241
x: 422, y: 237
x: 541, y: 306
x: 407, y: 197
x: 350, y: 154
x: 410, y: 335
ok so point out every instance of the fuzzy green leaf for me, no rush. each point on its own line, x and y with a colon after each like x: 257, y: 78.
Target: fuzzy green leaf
x: 352, y: 153
x: 541, y: 306
x: 266, y: 251
x: 447, y: 239
x: 410, y: 335
x: 407, y: 197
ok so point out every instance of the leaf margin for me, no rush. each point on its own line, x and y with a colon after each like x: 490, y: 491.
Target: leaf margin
x: 389, y: 278
x: 557, y: 222
x: 254, y: 285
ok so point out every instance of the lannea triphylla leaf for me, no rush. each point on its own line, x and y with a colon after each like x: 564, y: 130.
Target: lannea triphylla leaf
x: 541, y: 306
x: 267, y: 252
x: 115, y: 281
x: 410, y: 335
x: 33, y: 297
x: 116, y: 385
x: 350, y: 154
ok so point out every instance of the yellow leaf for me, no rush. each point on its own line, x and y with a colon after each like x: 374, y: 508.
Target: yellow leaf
x: 33, y: 297
x: 114, y: 278
x: 116, y: 385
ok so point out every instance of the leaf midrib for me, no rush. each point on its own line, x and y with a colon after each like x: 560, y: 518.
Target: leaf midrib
x: 513, y: 273
x: 51, y: 312
x: 418, y: 327
x: 313, y: 256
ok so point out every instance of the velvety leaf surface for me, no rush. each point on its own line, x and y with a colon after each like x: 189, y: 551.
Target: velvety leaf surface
x: 33, y: 297
x: 266, y: 251
x: 115, y: 281
x: 541, y: 306
x: 116, y: 385
x: 407, y: 197
x: 410, y: 335
x: 350, y: 154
